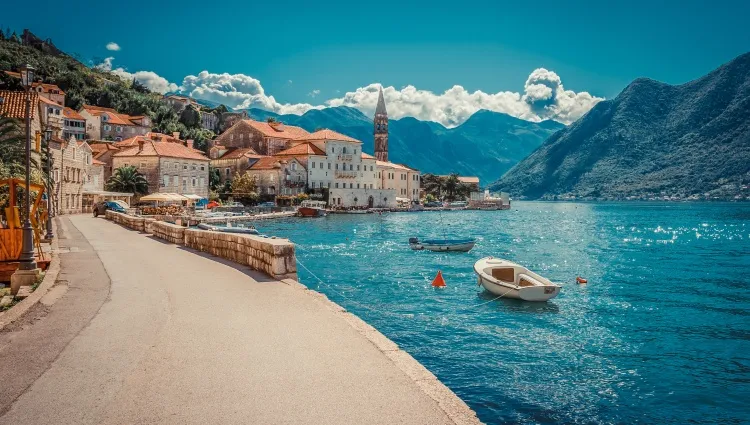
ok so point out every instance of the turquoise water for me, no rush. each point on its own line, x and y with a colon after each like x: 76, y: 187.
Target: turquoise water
x: 661, y: 334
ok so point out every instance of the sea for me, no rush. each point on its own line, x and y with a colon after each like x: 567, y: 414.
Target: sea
x: 660, y: 334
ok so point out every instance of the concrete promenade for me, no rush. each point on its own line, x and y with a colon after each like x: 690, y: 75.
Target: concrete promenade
x: 162, y: 334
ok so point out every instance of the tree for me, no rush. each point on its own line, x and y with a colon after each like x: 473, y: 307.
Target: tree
x: 271, y: 120
x: 244, y: 188
x: 139, y: 87
x: 451, y: 186
x: 214, y: 178
x: 128, y: 179
x: 190, y: 117
x: 433, y: 185
x: 430, y: 198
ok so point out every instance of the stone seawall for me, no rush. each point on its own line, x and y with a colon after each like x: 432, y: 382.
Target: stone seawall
x: 169, y: 232
x: 275, y: 257
x: 129, y: 221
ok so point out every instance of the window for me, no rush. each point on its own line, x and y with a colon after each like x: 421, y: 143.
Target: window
x: 351, y: 185
x: 313, y: 165
x: 329, y: 166
x: 49, y: 111
x: 118, y: 129
x: 184, y: 183
x: 165, y: 181
x: 231, y: 137
x: 176, y: 166
x: 57, y: 112
x: 337, y: 166
x: 184, y: 166
x: 176, y: 181
x: 192, y: 167
x: 357, y: 185
x: 357, y: 167
x: 166, y: 165
x: 203, y: 168
x: 370, y: 167
x: 343, y: 150
x: 294, y: 166
x: 107, y: 128
x: 227, y: 172
x: 337, y: 185
x: 194, y: 182
x: 312, y: 185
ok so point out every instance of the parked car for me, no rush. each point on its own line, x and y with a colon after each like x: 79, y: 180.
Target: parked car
x: 101, y: 207
x: 212, y: 204
x: 233, y: 204
x: 433, y: 204
x: 268, y: 204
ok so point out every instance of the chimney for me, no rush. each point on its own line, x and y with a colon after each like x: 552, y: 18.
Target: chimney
x: 176, y: 134
x: 140, y: 145
x: 190, y: 143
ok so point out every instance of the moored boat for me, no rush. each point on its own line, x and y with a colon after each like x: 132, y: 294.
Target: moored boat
x: 458, y: 245
x: 312, y: 209
x: 227, y: 229
x: 510, y: 280
x: 456, y: 206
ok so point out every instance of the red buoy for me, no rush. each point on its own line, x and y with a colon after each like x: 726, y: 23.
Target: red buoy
x: 581, y: 280
x: 438, y: 282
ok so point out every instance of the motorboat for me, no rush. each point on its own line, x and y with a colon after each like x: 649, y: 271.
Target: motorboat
x: 510, y: 280
x: 310, y: 208
x: 459, y: 245
x: 456, y: 206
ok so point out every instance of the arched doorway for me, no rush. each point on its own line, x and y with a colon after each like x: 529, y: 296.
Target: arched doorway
x: 370, y: 202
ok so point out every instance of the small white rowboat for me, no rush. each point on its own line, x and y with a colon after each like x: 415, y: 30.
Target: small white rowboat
x: 460, y: 245
x: 510, y: 280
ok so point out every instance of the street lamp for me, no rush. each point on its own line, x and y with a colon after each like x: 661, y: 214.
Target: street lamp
x: 26, y: 259
x: 47, y: 138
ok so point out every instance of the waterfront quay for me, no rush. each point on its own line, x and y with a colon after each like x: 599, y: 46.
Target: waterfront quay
x: 149, y: 331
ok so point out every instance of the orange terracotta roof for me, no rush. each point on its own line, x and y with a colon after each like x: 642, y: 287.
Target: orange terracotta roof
x: 469, y: 179
x: 171, y: 150
x: 267, y: 163
x: 327, y: 134
x: 49, y: 101
x: 281, y: 131
x: 394, y: 165
x: 97, y: 162
x: 103, y: 147
x: 93, y: 108
x: 367, y: 156
x: 14, y: 104
x: 72, y: 114
x: 236, y: 153
x: 153, y: 136
x: 304, y: 149
x: 46, y: 88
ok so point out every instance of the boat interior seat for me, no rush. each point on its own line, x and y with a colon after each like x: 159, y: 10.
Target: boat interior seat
x: 504, y: 274
x: 526, y: 280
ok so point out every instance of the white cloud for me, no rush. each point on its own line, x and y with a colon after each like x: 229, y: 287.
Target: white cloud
x: 544, y: 98
x: 113, y: 46
x: 237, y: 91
x: 149, y: 79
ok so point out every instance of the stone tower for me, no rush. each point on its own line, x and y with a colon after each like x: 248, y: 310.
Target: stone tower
x: 381, y: 129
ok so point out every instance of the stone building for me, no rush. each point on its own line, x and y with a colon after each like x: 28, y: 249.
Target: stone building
x: 107, y: 124
x: 228, y: 119
x: 74, y: 172
x: 168, y: 167
x: 231, y: 161
x: 74, y: 125
x: 403, y: 180
x: 50, y: 91
x: 278, y: 176
x: 104, y: 152
x: 263, y: 137
x: 209, y: 121
x: 52, y: 116
x: 13, y: 105
x: 179, y: 103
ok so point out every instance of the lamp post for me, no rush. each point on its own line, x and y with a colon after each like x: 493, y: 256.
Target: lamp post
x: 47, y: 138
x: 26, y: 259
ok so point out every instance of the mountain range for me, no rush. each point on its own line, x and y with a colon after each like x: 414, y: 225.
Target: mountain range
x: 652, y: 140
x: 486, y: 145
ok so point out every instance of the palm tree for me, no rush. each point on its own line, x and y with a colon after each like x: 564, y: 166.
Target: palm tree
x: 13, y: 143
x: 432, y: 184
x: 128, y: 179
x: 451, y: 186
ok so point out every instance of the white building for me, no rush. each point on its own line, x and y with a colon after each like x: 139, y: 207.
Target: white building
x: 403, y: 180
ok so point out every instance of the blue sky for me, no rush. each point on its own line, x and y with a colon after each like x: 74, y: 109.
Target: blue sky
x: 310, y: 52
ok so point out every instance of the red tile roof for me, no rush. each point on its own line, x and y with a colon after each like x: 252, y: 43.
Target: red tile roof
x: 267, y: 163
x: 394, y: 165
x: 49, y: 101
x: 236, y: 153
x: 103, y: 147
x: 171, y: 150
x: 279, y: 130
x: 97, y: 162
x: 327, y: 134
x: 113, y: 117
x: 14, y: 104
x: 47, y: 88
x: 72, y: 114
x: 304, y: 149
x: 367, y: 156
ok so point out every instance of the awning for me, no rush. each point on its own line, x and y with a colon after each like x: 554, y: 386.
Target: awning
x: 402, y: 199
x: 105, y: 193
x: 164, y: 197
x: 193, y: 197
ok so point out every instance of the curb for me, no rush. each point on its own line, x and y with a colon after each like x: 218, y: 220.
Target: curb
x: 50, y: 277
x: 455, y: 408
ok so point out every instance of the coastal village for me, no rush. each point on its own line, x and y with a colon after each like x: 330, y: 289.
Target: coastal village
x: 283, y: 161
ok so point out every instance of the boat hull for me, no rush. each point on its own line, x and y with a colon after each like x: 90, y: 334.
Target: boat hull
x: 444, y: 246
x: 311, y: 212
x: 534, y: 293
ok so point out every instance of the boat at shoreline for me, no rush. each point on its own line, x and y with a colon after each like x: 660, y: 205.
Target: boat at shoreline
x: 456, y: 206
x: 510, y: 280
x: 227, y: 229
x: 437, y: 245
x: 312, y: 209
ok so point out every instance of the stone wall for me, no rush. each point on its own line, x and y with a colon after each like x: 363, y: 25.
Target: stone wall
x: 169, y: 232
x: 129, y: 221
x: 275, y: 257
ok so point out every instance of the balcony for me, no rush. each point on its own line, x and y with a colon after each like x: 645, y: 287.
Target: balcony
x: 340, y: 174
x: 345, y: 157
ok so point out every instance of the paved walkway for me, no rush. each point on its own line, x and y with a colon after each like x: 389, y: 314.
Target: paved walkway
x: 186, y: 338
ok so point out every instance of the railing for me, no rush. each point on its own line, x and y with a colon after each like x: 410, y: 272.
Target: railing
x: 345, y: 174
x: 345, y: 157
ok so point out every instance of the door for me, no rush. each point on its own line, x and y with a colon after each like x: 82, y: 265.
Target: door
x: 370, y: 202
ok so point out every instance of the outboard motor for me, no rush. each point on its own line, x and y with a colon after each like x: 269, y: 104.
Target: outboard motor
x: 413, y: 240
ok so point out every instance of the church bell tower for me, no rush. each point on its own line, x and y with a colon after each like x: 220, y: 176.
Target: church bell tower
x: 381, y: 129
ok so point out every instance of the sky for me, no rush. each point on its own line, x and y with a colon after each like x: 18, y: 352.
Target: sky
x: 440, y: 61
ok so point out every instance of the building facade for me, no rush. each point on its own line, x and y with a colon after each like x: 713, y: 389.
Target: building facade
x: 74, y: 125
x: 107, y: 124
x: 231, y: 161
x: 403, y: 180
x: 168, y: 167
x: 209, y: 121
x: 74, y: 173
x: 279, y: 176
x: 52, y: 116
x: 263, y: 137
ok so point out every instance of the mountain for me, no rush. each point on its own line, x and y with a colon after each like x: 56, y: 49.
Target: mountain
x: 486, y: 145
x: 653, y: 139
